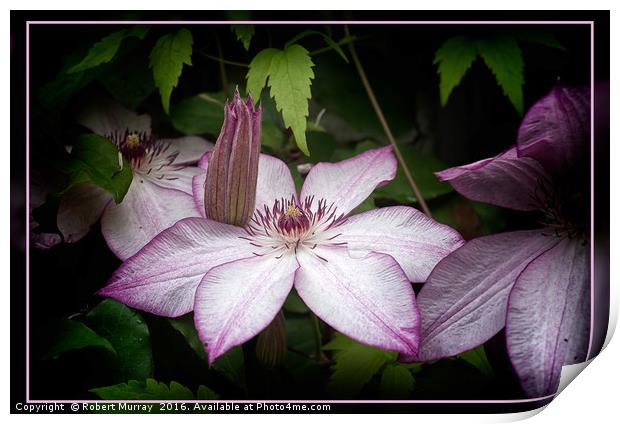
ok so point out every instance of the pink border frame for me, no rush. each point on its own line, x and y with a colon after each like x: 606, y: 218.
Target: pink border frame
x: 502, y: 401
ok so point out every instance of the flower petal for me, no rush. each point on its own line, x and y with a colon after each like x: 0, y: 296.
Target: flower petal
x: 463, y: 302
x: 237, y: 300
x: 556, y: 130
x: 106, y: 117
x: 369, y: 299
x: 548, y: 320
x: 417, y: 242
x: 162, y: 277
x: 80, y: 207
x: 349, y: 182
x: 146, y: 210
x: 190, y: 148
x: 179, y: 179
x: 505, y: 180
x: 274, y: 182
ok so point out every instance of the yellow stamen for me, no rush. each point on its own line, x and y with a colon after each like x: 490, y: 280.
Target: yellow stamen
x: 133, y: 140
x: 292, y: 212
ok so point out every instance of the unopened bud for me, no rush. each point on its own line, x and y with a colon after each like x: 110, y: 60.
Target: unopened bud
x: 271, y: 344
x: 230, y: 188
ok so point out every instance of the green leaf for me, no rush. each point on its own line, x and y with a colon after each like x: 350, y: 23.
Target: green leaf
x: 204, y: 393
x: 297, y: 178
x: 244, y: 34
x: 272, y: 136
x: 355, y: 365
x: 396, y: 382
x: 478, y: 358
x: 200, y: 114
x: 503, y: 56
x: 69, y: 335
x: 128, y: 334
x: 289, y: 82
x: 96, y: 159
x: 185, y: 326
x: 167, y: 58
x: 149, y: 390
x: 260, y: 68
x: 454, y: 57
x: 289, y: 74
x: 130, y: 81
x: 295, y: 304
x: 105, y: 49
x: 231, y: 365
x: 544, y: 38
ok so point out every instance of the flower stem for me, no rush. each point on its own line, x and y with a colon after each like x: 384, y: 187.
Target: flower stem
x: 345, y: 40
x: 384, y: 124
x: 222, y: 65
x: 224, y: 61
x: 317, y: 338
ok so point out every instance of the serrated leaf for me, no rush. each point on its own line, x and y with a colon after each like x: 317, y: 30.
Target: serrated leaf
x: 396, y: 382
x: 355, y: 365
x: 128, y: 334
x: 140, y: 390
x: 200, y: 114
x: 69, y: 335
x: 96, y: 159
x: 105, y: 49
x: 455, y: 57
x: 204, y: 393
x: 544, y: 38
x: 503, y: 57
x: 478, y: 358
x: 167, y: 58
x: 244, y: 34
x: 290, y: 77
x: 259, y: 70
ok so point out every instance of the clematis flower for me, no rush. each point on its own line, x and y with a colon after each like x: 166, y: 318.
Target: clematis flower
x: 354, y: 272
x: 159, y: 195
x: 533, y: 282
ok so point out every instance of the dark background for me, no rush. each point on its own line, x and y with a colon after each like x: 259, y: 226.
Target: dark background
x: 399, y: 63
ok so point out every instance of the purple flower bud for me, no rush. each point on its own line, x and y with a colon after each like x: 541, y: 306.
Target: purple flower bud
x: 230, y: 188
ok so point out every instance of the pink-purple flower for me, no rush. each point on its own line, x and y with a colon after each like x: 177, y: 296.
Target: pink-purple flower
x: 159, y: 195
x: 354, y: 272
x: 534, y: 282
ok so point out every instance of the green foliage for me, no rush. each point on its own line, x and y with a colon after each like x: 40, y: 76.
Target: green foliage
x: 203, y: 113
x: 105, y: 49
x: 96, y: 159
x: 151, y: 390
x: 396, y: 382
x: 478, y: 358
x: 167, y: 58
x: 230, y: 364
x: 544, y: 38
x: 355, y: 365
x: 67, y: 335
x: 128, y: 334
x: 288, y: 74
x: 501, y: 54
x: 504, y: 58
x: 129, y: 81
x: 244, y: 33
x: 454, y: 57
x: 295, y: 304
